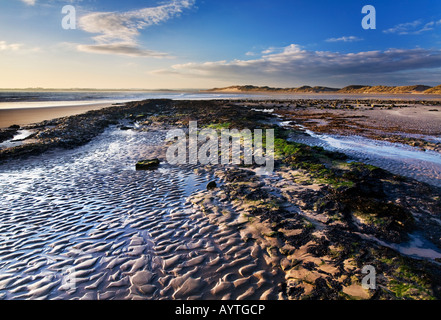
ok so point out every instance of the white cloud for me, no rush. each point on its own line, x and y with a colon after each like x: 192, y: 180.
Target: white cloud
x: 269, y: 50
x: 117, y: 32
x: 414, y: 27
x: 121, y: 49
x: 48, y: 2
x: 18, y: 48
x: 296, y: 65
x: 4, y: 46
x: 29, y: 2
x: 344, y: 39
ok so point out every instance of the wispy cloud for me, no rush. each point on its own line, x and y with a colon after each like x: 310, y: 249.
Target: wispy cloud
x: 414, y: 27
x: 122, y: 49
x: 29, y: 2
x: 49, y: 2
x: 295, y: 64
x: 4, y: 46
x: 117, y: 32
x: 344, y: 39
x: 18, y: 48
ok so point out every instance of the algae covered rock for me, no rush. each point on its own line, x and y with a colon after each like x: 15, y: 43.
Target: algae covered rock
x: 150, y: 164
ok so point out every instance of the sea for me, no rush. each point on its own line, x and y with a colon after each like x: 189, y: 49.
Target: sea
x: 14, y: 99
x: 41, y: 99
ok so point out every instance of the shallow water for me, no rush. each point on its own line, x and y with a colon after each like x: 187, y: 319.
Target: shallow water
x: 24, y: 100
x: 17, y: 139
x: 417, y: 246
x: 424, y: 166
x: 83, y: 224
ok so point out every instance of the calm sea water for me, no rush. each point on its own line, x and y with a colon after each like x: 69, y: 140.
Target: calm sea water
x: 40, y: 99
x: 33, y: 99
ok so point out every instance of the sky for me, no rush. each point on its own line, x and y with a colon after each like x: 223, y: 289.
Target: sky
x: 197, y: 44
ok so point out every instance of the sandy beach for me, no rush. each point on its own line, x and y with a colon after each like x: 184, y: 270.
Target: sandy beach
x: 213, y: 159
x: 78, y: 221
x: 26, y: 116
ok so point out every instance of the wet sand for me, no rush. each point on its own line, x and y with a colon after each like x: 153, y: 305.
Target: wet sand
x: 26, y: 116
x: 413, y: 119
x: 83, y: 224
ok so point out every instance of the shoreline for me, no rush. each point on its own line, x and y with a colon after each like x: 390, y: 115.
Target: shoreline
x: 28, y: 116
x: 25, y: 116
x: 335, y: 95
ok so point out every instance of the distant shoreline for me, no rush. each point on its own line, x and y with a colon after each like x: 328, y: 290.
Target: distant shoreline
x: 352, y: 89
x: 26, y: 115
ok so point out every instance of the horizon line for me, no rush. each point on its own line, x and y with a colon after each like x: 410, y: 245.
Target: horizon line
x: 197, y: 89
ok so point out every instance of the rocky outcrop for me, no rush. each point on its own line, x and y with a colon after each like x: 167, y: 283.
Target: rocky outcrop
x: 151, y: 164
x: 8, y: 133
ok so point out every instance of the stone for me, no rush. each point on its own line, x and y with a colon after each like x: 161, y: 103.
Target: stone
x: 148, y: 164
x: 211, y: 185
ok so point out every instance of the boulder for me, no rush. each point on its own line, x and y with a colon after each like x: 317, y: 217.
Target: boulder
x: 148, y: 164
x: 211, y: 185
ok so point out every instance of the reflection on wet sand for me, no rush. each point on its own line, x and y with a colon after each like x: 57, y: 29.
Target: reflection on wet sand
x: 84, y: 224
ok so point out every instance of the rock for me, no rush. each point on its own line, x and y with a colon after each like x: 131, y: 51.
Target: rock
x: 7, y: 134
x: 125, y: 128
x: 148, y: 164
x: 211, y: 185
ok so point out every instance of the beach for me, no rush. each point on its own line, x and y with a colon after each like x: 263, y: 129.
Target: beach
x: 27, y: 116
x: 78, y: 221
x: 211, y: 158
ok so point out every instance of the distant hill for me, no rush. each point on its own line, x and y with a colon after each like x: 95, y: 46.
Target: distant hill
x: 385, y: 89
x: 434, y: 90
x: 250, y: 88
x: 352, y: 89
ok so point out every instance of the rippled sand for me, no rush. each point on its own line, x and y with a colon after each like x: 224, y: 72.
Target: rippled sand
x: 83, y: 224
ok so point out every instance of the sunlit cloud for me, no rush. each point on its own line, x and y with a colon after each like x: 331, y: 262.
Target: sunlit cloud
x: 121, y: 49
x: 414, y: 27
x: 4, y: 46
x: 29, y: 2
x: 295, y: 64
x: 344, y: 39
x: 117, y: 32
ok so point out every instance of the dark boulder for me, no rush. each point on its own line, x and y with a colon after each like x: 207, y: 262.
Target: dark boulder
x: 148, y: 164
x: 211, y: 185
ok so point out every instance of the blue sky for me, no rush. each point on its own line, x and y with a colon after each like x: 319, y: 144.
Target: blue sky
x: 207, y: 43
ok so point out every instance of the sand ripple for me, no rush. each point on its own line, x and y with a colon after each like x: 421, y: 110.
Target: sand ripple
x: 83, y: 224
